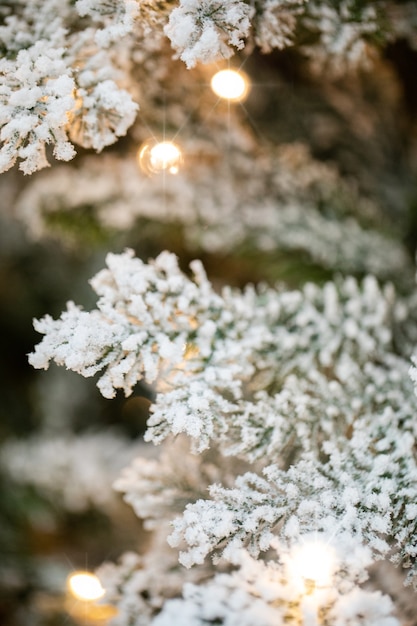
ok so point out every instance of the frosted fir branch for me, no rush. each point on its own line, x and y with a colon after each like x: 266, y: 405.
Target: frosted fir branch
x: 267, y: 594
x: 19, y: 30
x: 35, y: 97
x: 134, y: 331
x: 360, y: 480
x: 323, y: 358
x: 79, y: 341
x: 319, y: 408
x: 126, y: 585
x: 293, y: 186
x: 363, y: 489
x: 134, y: 589
x: 309, y: 497
x: 197, y: 407
x: 206, y: 31
x: 73, y: 471
x: 159, y: 488
x: 147, y: 590
x: 152, y: 321
x: 139, y: 585
x: 117, y: 18
x: 103, y: 113
x: 50, y: 92
x: 275, y: 23
x: 345, y: 35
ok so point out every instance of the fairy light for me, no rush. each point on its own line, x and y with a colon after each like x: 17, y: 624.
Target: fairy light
x: 159, y: 156
x: 232, y: 85
x: 313, y: 564
x: 85, y: 586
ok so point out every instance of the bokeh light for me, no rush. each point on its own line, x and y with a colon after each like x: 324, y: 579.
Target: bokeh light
x: 85, y: 586
x: 230, y: 85
x: 155, y: 157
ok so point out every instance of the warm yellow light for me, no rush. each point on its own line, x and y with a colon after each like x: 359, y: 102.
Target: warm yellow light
x: 85, y: 586
x: 231, y: 85
x: 165, y: 156
x: 313, y: 563
x: 155, y: 157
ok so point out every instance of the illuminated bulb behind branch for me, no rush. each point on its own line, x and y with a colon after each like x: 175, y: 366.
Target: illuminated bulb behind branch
x: 313, y: 564
x: 230, y: 85
x: 155, y: 157
x: 85, y: 586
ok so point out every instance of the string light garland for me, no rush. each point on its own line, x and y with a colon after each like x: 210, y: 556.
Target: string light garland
x: 155, y: 157
x: 232, y: 85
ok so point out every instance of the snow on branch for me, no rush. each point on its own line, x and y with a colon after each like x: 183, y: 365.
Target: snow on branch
x: 205, y: 31
x: 266, y: 594
x: 54, y: 465
x: 275, y: 23
x: 271, y: 204
x: 309, y: 388
x: 256, y: 592
x: 56, y: 86
x: 116, y: 18
x: 35, y: 97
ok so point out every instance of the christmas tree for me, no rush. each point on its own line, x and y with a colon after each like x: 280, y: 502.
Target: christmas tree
x: 275, y: 141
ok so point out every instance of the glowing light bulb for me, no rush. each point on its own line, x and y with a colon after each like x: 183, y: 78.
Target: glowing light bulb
x: 155, y: 157
x: 85, y: 586
x: 313, y: 563
x: 230, y: 85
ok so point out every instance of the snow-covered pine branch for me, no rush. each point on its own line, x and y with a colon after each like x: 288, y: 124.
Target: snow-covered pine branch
x: 271, y: 204
x: 58, y: 83
x: 311, y: 387
x: 267, y: 595
x: 54, y: 466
